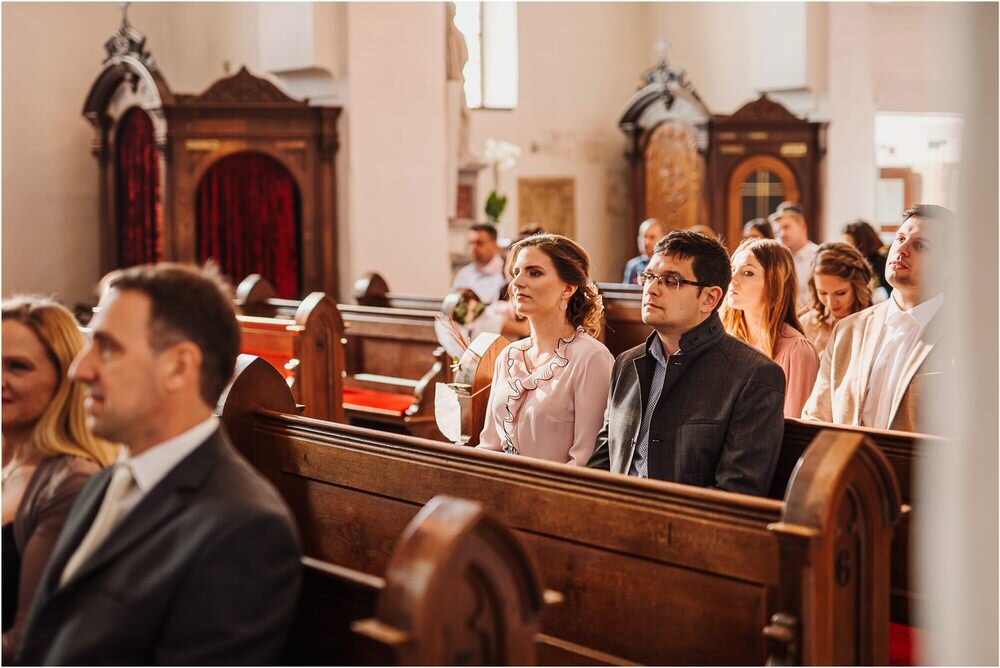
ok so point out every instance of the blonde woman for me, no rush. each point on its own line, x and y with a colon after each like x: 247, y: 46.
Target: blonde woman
x: 840, y: 283
x: 48, y: 453
x: 760, y: 309
x: 549, y: 390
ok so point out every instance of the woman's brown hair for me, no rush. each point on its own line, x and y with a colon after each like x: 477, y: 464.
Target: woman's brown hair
x: 62, y: 427
x: 780, y: 289
x: 843, y: 261
x: 585, y: 307
x: 865, y: 237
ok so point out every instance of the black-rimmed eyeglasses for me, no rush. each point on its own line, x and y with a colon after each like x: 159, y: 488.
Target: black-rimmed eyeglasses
x: 668, y: 280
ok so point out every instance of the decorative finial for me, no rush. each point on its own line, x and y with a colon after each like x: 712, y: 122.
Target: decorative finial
x: 661, y: 46
x: 128, y: 41
x: 123, y: 8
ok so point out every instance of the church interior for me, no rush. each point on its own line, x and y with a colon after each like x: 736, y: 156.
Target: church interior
x: 374, y: 134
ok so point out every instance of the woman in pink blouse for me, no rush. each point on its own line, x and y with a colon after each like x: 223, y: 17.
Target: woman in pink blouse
x: 760, y: 309
x: 550, y: 390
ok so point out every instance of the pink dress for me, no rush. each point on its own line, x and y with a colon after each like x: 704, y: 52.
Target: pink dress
x: 555, y: 412
x: 797, y: 357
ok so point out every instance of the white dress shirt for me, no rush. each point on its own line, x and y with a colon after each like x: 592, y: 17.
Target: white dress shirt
x: 485, y: 281
x: 899, y: 338
x: 150, y: 467
x: 803, y: 258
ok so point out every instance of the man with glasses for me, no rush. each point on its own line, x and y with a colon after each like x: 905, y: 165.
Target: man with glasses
x: 692, y: 404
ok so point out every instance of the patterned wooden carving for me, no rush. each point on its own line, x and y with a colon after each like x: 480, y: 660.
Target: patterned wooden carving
x: 245, y: 88
x: 674, y: 175
x: 762, y: 109
x: 548, y: 202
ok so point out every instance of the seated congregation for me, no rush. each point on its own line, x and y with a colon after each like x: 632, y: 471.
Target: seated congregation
x: 180, y: 551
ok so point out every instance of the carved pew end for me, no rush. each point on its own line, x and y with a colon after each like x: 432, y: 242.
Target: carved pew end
x: 491, y: 618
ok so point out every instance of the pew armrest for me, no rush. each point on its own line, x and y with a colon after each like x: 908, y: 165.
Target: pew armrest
x: 421, y: 395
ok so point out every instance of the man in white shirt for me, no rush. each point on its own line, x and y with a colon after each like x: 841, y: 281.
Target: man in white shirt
x: 484, y: 275
x: 790, y: 229
x: 180, y: 553
x: 880, y: 362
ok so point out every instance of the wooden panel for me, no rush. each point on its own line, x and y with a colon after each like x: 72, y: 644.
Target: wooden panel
x: 674, y: 176
x: 549, y: 202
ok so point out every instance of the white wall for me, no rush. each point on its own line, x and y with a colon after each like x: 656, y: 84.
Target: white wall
x: 579, y: 63
x: 395, y: 167
x: 850, y: 160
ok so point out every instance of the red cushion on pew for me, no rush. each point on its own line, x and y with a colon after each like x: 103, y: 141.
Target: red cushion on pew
x: 389, y: 401
x: 904, y: 644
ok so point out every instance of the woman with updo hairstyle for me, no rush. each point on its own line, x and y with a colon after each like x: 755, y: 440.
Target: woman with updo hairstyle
x: 760, y: 309
x: 840, y: 283
x: 550, y: 389
x: 48, y: 452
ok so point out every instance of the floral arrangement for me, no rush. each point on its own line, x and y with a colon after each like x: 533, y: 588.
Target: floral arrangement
x: 501, y: 156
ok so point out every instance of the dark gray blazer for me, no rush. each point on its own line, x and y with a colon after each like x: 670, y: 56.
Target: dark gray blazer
x: 719, y: 420
x: 204, y: 570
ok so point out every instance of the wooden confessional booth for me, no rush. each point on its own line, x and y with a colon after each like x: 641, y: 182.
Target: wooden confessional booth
x: 242, y: 173
x: 688, y: 166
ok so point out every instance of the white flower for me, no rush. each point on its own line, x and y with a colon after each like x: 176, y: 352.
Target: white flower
x: 502, y: 155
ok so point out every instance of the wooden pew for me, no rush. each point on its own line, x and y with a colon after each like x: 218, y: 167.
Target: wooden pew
x: 471, y: 389
x: 902, y: 450
x: 429, y: 607
x: 391, y: 359
x: 651, y: 572
x: 623, y: 325
x: 459, y: 587
x: 372, y: 290
x: 306, y: 350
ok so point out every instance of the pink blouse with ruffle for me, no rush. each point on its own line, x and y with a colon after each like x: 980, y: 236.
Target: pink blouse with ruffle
x: 555, y: 412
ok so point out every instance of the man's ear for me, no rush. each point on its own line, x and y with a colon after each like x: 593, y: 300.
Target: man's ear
x: 710, y: 297
x: 182, y: 365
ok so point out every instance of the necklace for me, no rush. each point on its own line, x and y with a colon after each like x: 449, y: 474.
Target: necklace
x: 10, y: 472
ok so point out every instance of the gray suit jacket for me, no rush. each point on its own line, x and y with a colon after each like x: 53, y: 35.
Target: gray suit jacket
x: 204, y: 570
x: 719, y: 420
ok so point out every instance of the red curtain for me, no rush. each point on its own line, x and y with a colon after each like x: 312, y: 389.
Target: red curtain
x: 140, y: 217
x: 248, y: 212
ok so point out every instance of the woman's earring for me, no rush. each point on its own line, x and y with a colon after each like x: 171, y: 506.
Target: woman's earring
x: 564, y: 304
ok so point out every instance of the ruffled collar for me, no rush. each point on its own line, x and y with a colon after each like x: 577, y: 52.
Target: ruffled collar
x: 519, y: 388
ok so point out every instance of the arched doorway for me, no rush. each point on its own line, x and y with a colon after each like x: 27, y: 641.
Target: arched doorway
x: 140, y: 219
x: 756, y: 187
x: 248, y: 220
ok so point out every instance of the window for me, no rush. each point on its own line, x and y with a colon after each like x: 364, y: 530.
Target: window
x: 490, y: 31
x: 917, y: 156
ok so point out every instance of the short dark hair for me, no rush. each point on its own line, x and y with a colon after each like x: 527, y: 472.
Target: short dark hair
x: 710, y: 260
x: 188, y: 303
x: 489, y: 229
x: 931, y: 212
